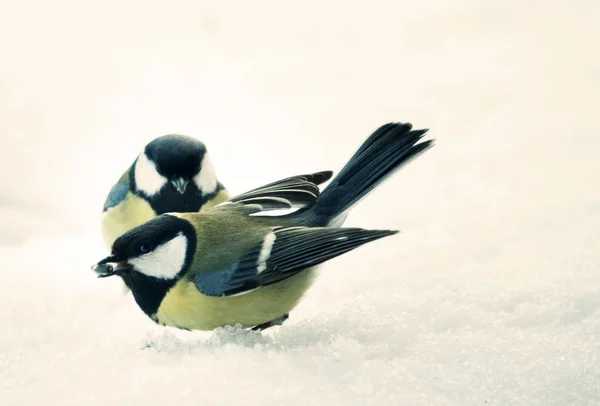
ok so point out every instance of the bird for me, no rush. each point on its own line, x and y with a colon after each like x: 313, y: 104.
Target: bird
x: 173, y: 173
x: 236, y: 263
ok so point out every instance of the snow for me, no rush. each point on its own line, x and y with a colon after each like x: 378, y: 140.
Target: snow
x: 489, y: 295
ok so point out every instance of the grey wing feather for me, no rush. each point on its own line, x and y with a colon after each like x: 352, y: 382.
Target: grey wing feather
x: 281, y: 254
x: 288, y: 193
x: 116, y: 195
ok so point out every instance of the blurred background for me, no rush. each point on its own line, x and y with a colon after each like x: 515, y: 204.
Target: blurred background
x: 491, y: 292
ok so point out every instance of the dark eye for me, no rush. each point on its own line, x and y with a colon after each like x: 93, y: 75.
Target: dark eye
x: 144, y: 248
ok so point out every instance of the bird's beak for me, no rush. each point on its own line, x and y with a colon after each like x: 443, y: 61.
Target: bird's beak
x: 110, y: 266
x: 180, y: 184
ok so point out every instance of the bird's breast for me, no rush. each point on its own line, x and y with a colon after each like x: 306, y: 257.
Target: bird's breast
x: 185, y: 307
x: 131, y: 212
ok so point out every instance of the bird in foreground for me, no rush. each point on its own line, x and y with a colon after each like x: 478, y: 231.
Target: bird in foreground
x: 173, y: 173
x: 235, y: 263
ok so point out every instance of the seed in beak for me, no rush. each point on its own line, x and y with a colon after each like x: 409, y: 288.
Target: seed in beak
x: 104, y: 270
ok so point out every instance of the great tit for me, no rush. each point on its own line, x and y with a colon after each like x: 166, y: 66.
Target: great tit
x: 173, y: 173
x: 234, y: 263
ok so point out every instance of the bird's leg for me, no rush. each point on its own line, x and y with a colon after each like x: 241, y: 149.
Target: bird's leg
x: 277, y: 322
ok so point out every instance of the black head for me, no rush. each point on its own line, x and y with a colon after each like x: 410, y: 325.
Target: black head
x: 176, y: 156
x: 151, y: 258
x: 174, y: 174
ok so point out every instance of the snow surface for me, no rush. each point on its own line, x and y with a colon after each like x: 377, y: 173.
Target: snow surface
x: 491, y: 293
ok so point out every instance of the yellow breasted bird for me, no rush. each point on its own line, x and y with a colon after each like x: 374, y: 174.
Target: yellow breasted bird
x: 234, y: 263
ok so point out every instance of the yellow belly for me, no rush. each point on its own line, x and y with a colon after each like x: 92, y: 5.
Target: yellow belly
x: 130, y: 213
x: 185, y: 307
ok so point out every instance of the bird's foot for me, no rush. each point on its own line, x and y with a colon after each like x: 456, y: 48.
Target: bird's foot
x: 277, y: 322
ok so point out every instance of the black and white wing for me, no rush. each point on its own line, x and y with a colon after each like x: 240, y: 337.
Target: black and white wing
x: 282, y: 253
x: 293, y: 192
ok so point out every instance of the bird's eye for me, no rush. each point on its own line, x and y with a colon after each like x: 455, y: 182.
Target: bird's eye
x: 144, y: 248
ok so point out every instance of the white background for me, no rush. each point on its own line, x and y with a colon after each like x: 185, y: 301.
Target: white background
x: 491, y: 293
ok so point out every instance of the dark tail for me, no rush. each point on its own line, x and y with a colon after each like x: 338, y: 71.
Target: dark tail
x: 388, y: 149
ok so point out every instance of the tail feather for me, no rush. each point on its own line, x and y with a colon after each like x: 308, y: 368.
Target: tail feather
x: 373, y: 139
x: 387, y: 150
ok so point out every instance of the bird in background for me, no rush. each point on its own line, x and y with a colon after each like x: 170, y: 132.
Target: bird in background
x: 237, y: 264
x: 173, y: 173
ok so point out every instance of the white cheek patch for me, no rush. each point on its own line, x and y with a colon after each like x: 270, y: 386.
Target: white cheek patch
x: 206, y: 180
x: 166, y: 261
x: 147, y: 179
x: 265, y: 252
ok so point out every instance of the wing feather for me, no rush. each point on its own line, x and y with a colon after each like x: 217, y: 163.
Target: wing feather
x: 282, y: 253
x: 293, y: 192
